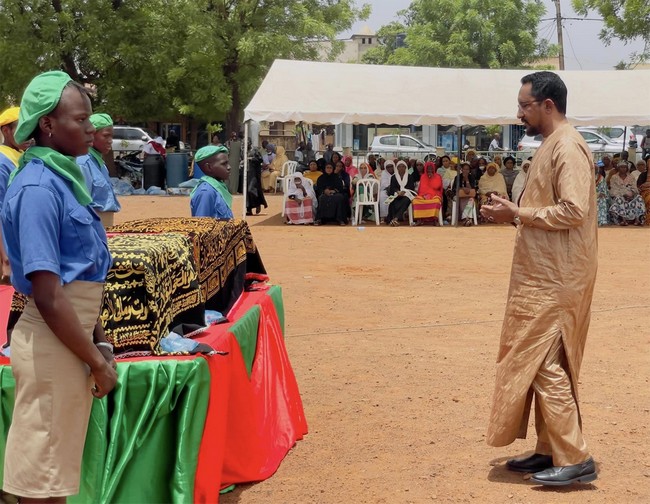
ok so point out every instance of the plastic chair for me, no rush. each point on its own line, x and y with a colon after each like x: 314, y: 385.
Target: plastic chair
x: 366, y: 193
x: 454, y: 213
x: 288, y: 168
x: 441, y: 220
x: 285, y: 191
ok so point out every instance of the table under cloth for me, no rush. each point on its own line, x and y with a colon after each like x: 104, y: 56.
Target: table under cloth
x: 152, y: 283
x: 178, y: 429
x: 224, y: 251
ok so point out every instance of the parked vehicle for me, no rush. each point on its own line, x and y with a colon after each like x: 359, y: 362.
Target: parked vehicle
x: 400, y: 145
x: 130, y: 138
x: 597, y: 142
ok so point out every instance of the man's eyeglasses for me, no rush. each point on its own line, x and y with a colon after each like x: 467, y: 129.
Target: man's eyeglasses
x: 525, y: 105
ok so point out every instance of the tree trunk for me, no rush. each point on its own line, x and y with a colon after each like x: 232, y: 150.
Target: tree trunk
x: 234, y: 117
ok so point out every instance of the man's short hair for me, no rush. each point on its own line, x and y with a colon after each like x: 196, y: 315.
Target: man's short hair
x: 547, y: 86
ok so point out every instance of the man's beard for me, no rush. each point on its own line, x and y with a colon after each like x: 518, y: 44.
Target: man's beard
x: 531, y: 130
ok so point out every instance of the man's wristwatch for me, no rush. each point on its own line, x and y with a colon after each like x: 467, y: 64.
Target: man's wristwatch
x: 517, y: 220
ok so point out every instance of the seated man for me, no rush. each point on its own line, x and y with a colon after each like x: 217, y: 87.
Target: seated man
x: 211, y: 197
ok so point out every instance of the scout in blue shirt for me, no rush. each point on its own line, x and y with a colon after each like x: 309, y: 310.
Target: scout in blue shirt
x: 10, y: 152
x: 59, y: 257
x: 211, y: 197
x: 95, y: 172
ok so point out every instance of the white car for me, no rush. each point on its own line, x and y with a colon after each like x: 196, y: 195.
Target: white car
x: 597, y: 142
x: 400, y: 145
x: 130, y: 138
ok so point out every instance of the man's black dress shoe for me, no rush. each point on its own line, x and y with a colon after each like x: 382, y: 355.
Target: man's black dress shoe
x: 559, y: 476
x: 532, y: 464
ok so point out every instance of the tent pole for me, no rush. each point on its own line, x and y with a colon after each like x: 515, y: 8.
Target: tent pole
x: 624, y: 140
x: 460, y: 159
x: 245, y: 180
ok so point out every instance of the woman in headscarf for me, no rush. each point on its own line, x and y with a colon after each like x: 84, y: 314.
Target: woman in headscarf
x: 520, y: 182
x: 332, y: 198
x: 427, y: 204
x: 400, y: 194
x: 602, y: 197
x: 384, y: 184
x: 418, y: 170
x: 466, y: 193
x: 96, y: 173
x: 301, y: 201
x: 643, y: 184
x: 492, y: 183
x: 627, y: 206
x: 313, y: 172
x: 363, y: 173
x: 59, y: 257
x: 350, y: 169
x: 254, y: 193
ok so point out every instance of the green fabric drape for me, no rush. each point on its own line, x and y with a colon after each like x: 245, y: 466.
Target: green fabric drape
x: 158, y: 406
x: 275, y: 292
x: 245, y: 332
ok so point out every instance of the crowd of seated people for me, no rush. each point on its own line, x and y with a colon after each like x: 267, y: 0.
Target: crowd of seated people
x: 418, y: 192
x: 622, y: 191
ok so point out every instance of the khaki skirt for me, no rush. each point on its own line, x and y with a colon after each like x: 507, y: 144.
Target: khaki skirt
x: 53, y: 401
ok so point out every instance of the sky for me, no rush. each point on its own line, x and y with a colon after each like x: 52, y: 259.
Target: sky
x: 583, y: 50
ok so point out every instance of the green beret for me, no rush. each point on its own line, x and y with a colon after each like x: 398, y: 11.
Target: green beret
x: 209, y: 151
x: 101, y: 121
x: 40, y: 98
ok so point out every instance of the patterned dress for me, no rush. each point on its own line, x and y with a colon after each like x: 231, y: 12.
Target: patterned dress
x: 602, y: 198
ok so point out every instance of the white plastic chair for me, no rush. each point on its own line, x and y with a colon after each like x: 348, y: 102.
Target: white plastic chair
x: 454, y: 213
x: 285, y: 191
x: 366, y: 194
x: 288, y: 168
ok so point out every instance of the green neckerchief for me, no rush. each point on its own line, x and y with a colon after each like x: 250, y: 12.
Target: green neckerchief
x: 60, y: 164
x: 219, y: 186
x: 96, y: 156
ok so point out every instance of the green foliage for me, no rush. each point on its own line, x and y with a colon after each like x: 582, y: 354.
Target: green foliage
x: 465, y: 34
x: 624, y: 19
x: 152, y: 59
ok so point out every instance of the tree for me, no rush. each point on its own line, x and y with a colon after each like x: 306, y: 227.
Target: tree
x: 463, y: 33
x: 118, y: 47
x: 153, y: 59
x: 626, y: 20
x: 234, y: 43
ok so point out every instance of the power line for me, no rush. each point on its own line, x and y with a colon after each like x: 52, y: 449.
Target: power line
x: 572, y: 50
x: 574, y: 19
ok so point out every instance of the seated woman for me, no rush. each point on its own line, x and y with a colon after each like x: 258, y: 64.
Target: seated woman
x: 363, y: 173
x: 400, y: 194
x: 466, y: 193
x: 384, y: 184
x: 427, y: 204
x: 602, y: 197
x: 643, y: 184
x: 627, y: 206
x: 492, y: 183
x: 520, y: 182
x: 301, y: 201
x: 339, y: 169
x: 313, y: 172
x: 350, y: 169
x: 332, y: 198
x: 509, y: 172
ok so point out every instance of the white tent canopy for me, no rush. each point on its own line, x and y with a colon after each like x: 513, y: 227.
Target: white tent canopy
x: 340, y: 93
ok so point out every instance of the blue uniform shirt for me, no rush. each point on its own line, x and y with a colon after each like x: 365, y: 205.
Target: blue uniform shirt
x: 44, y: 228
x: 6, y: 167
x: 207, y: 202
x: 99, y: 185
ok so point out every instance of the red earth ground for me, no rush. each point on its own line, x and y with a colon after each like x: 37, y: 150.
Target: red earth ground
x: 393, y: 335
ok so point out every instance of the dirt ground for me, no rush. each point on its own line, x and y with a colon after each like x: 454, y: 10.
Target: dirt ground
x: 393, y: 335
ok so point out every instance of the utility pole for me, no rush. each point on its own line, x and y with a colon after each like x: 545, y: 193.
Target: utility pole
x: 560, y: 40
